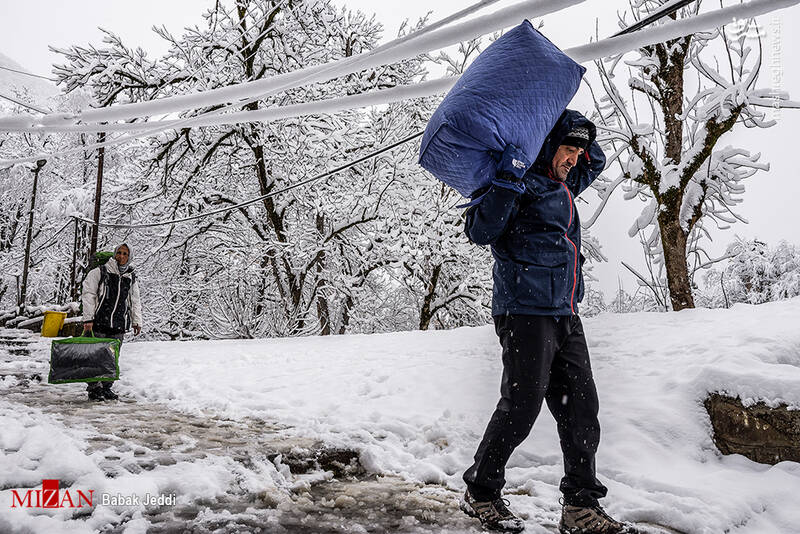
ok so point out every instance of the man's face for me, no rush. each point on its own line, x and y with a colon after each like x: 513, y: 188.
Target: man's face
x: 566, y: 157
x: 122, y: 255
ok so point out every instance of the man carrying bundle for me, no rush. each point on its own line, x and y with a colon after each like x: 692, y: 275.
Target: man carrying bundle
x: 528, y: 216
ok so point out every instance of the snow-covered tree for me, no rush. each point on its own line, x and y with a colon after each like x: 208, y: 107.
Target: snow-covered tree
x: 64, y: 187
x: 685, y: 94
x: 363, y: 249
x: 755, y: 273
x: 593, y: 303
x: 443, y: 281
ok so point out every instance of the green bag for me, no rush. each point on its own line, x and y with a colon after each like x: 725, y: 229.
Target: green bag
x: 84, y: 359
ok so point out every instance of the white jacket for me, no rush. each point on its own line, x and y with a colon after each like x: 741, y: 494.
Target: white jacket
x: 92, y: 294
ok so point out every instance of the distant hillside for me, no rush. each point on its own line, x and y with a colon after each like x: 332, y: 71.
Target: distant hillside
x: 13, y: 84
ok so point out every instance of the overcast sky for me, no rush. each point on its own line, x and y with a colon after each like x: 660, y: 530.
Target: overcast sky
x: 771, y: 201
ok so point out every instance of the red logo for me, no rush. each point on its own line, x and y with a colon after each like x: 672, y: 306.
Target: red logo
x: 50, y: 496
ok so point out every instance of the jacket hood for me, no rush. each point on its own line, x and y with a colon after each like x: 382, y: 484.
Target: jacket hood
x: 124, y: 268
x: 566, y: 122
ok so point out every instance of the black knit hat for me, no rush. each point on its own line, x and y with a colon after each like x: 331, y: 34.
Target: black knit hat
x: 578, y: 137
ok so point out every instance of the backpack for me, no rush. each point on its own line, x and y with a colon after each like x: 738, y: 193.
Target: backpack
x: 100, y: 258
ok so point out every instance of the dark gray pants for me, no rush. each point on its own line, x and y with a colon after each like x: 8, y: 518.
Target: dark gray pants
x: 544, y: 359
x: 92, y: 386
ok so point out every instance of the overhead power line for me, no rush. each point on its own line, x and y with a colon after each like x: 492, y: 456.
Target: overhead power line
x: 603, y: 48
x: 259, y: 198
x: 216, y: 116
x: 51, y: 238
x: 421, y: 41
x: 424, y: 40
x: 625, y: 42
x: 666, y: 9
x: 27, y: 73
x: 23, y: 104
x: 314, y: 107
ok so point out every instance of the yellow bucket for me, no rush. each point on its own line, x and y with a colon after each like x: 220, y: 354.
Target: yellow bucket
x: 53, y: 321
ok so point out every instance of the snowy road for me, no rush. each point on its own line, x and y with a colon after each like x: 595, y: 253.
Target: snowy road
x: 322, y: 489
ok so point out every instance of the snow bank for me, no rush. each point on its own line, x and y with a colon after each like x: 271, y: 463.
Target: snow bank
x: 416, y: 403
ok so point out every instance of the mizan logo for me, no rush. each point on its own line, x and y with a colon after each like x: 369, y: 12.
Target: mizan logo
x: 746, y: 28
x: 50, y: 496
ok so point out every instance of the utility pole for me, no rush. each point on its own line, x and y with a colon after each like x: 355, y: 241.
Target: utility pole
x: 98, y: 193
x: 73, y: 291
x: 24, y: 286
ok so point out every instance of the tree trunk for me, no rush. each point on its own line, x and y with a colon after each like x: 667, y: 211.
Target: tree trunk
x: 248, y: 50
x: 324, y: 315
x: 73, y: 288
x: 669, y: 82
x: 323, y: 308
x: 425, y: 315
x: 348, y: 305
x: 673, y: 240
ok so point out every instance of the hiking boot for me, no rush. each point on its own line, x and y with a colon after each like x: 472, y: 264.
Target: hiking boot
x: 108, y: 394
x: 591, y: 520
x: 493, y: 515
x: 96, y: 394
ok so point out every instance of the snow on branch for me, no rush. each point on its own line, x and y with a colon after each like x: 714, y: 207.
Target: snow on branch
x: 405, y: 47
x: 412, y: 45
x: 331, y: 70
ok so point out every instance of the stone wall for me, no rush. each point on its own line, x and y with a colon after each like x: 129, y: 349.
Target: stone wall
x: 763, y: 434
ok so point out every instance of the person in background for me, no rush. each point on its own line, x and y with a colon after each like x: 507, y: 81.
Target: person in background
x: 111, y: 306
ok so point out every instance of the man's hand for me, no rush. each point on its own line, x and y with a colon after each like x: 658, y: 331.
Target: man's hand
x: 137, y: 329
x: 513, y: 164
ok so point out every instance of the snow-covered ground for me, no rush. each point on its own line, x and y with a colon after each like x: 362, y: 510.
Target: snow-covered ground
x: 228, y: 427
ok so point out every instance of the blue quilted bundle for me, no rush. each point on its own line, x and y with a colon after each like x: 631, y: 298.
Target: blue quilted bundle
x: 512, y: 94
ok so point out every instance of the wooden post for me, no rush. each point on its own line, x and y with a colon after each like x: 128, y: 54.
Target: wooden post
x: 24, y: 285
x: 98, y: 192
x: 73, y: 291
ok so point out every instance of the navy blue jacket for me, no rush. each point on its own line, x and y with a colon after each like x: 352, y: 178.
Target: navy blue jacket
x: 535, y: 236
